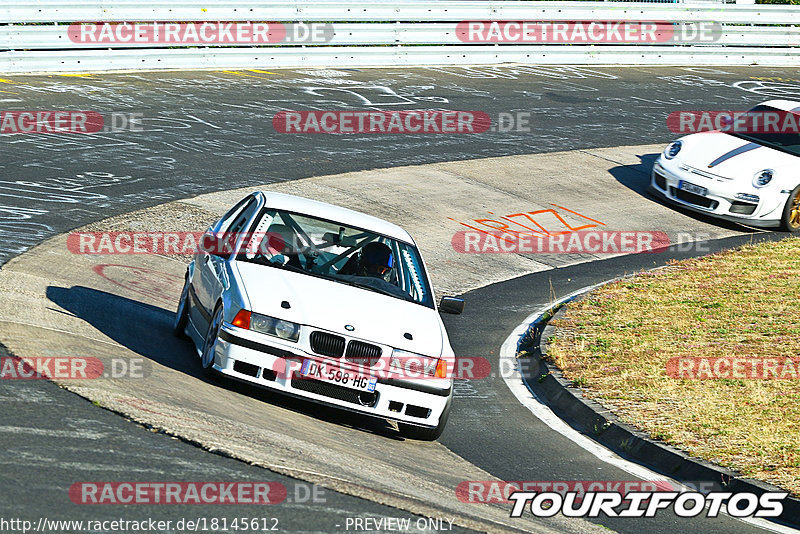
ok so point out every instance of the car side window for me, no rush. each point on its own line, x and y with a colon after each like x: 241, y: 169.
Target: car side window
x: 239, y: 225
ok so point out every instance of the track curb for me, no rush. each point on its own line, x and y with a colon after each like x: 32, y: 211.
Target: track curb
x: 546, y: 381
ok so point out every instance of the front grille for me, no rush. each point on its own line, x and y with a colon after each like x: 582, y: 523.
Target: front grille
x: 327, y: 344
x: 691, y: 198
x: 661, y: 181
x: 744, y: 208
x: 325, y: 389
x: 363, y: 353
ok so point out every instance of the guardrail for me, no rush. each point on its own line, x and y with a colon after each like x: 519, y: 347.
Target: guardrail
x: 34, y: 35
x: 401, y: 33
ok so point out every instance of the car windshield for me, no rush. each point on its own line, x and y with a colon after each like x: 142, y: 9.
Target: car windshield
x: 340, y: 253
x: 785, y: 142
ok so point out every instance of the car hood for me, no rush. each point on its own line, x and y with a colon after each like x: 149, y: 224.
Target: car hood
x: 330, y: 305
x: 730, y: 156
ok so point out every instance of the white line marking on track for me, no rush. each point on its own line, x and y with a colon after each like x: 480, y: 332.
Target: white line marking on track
x: 204, y: 122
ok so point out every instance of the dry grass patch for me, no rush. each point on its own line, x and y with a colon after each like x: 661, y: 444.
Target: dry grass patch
x: 615, y: 345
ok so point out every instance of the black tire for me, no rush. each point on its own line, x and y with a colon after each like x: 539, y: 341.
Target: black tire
x: 182, y: 313
x: 423, y: 433
x: 790, y: 220
x: 207, y: 353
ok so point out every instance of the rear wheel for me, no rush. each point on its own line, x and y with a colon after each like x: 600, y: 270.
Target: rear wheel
x: 210, y: 344
x: 790, y: 221
x: 182, y: 314
x: 426, y: 433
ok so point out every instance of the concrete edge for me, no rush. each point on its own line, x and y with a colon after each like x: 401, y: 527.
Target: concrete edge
x: 546, y: 381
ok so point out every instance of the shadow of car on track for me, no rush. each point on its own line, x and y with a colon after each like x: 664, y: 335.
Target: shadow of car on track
x: 147, y: 330
x: 637, y: 179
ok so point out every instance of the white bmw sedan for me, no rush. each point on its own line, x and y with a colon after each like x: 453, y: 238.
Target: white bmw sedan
x: 323, y: 303
x: 751, y: 177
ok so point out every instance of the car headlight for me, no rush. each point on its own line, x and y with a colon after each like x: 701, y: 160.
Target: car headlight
x: 286, y: 330
x: 762, y: 178
x: 265, y: 324
x: 672, y: 149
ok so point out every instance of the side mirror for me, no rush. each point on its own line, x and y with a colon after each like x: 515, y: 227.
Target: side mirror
x: 451, y: 305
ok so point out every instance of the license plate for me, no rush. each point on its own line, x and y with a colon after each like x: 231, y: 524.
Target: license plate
x: 337, y: 375
x: 690, y: 187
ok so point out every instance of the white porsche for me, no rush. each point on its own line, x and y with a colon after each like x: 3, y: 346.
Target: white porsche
x: 749, y: 177
x: 324, y: 303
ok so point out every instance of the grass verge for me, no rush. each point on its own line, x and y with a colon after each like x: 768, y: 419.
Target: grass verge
x: 615, y: 344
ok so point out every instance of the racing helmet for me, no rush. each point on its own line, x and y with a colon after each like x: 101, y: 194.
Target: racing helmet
x: 376, y: 260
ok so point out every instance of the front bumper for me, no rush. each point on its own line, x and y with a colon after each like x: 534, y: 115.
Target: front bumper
x: 721, y: 200
x: 248, y: 357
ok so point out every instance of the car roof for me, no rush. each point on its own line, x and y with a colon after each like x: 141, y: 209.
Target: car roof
x: 784, y: 105
x: 323, y: 210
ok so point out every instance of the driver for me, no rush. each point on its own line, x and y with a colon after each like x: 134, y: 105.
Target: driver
x: 376, y: 261
x: 279, y: 243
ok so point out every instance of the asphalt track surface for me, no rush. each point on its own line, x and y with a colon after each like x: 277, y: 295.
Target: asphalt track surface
x: 210, y: 131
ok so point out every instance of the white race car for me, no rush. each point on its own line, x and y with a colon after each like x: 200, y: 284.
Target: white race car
x: 324, y: 303
x: 752, y: 178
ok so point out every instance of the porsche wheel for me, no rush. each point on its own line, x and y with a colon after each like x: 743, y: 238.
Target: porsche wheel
x: 791, y: 212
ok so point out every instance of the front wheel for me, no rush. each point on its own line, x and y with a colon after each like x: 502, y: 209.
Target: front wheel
x: 182, y: 314
x: 790, y: 221
x: 425, y: 433
x: 210, y: 344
